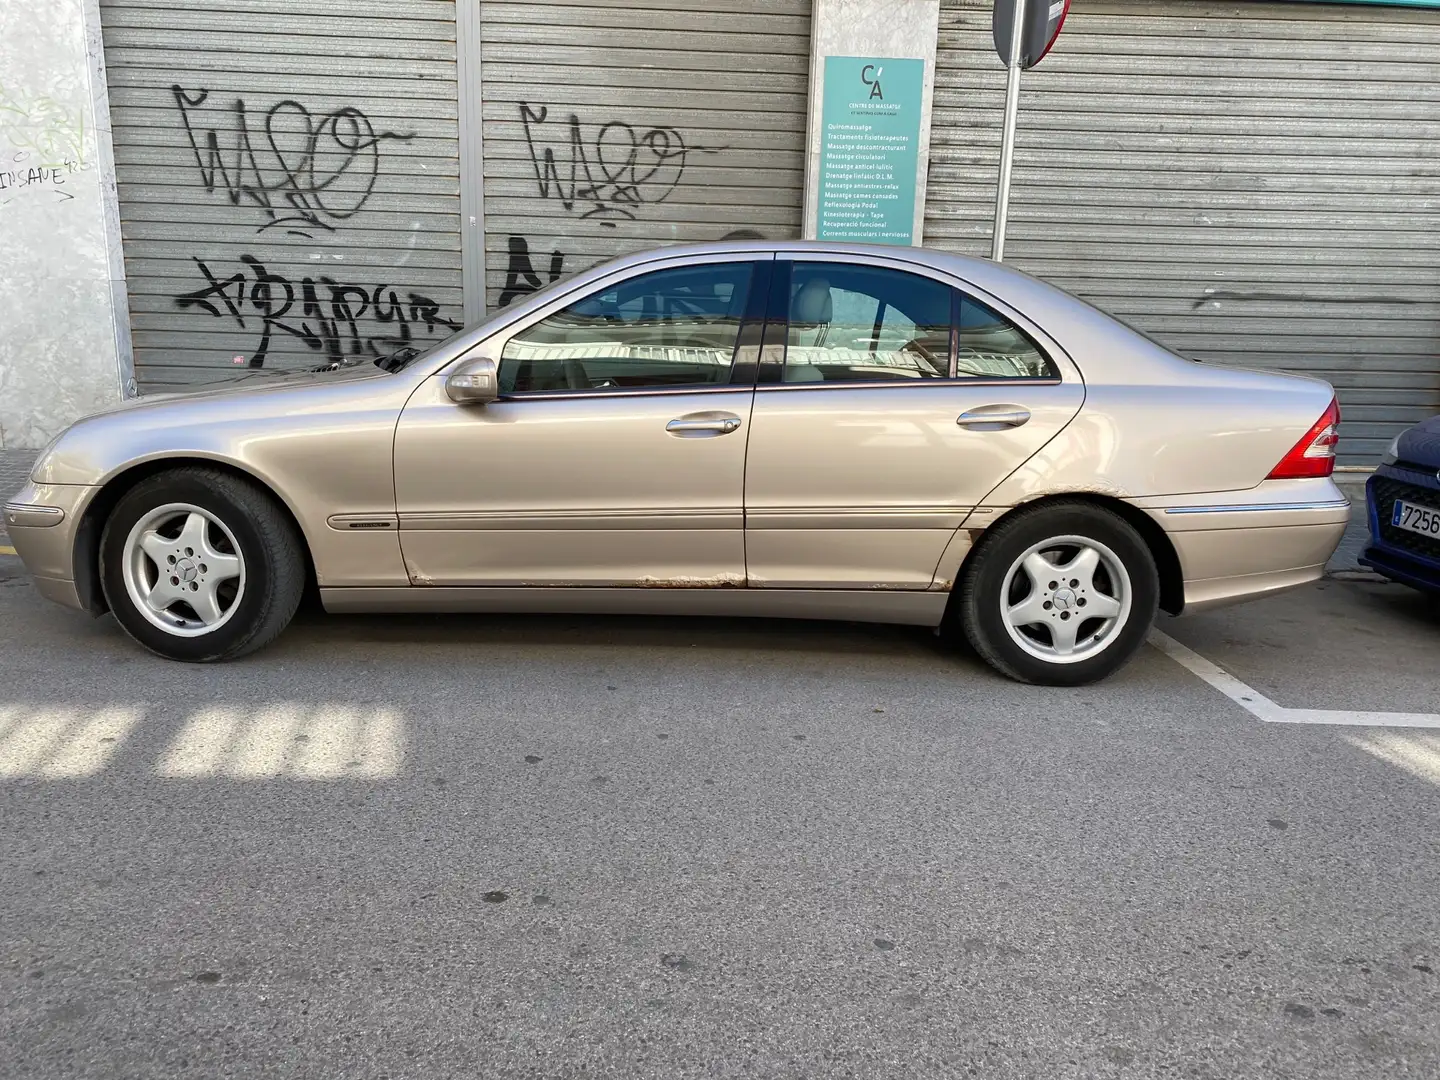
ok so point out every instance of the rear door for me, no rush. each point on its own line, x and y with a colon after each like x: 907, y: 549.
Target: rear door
x: 889, y: 405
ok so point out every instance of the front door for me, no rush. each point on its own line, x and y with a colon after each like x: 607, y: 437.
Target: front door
x: 615, y: 454
x: 890, y: 404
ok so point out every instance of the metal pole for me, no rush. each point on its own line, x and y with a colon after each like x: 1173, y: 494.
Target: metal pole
x: 1007, y: 137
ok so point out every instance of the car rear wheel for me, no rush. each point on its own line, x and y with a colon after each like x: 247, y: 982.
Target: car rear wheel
x: 1062, y: 594
x: 201, y: 565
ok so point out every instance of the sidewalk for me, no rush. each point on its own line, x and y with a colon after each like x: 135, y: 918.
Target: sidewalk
x: 1358, y: 532
x: 14, y: 470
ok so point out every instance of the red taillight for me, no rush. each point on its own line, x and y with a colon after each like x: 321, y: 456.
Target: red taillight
x: 1313, y: 455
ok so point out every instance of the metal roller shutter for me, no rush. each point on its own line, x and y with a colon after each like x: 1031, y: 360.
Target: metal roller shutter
x: 616, y: 125
x: 288, y: 179
x: 1249, y: 182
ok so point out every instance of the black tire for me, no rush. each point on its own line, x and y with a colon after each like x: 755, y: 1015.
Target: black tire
x: 982, y: 605
x: 267, y: 541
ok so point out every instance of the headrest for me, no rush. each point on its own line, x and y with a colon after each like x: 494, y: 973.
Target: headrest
x: 812, y: 305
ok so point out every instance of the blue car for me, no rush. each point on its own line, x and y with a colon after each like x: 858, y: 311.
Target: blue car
x: 1403, y: 498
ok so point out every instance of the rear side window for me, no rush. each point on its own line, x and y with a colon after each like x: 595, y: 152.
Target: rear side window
x: 990, y: 346
x: 851, y: 323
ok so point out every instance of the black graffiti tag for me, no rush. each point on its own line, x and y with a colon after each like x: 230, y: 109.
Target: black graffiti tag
x: 307, y: 172
x: 522, y: 279
x: 520, y: 276
x: 329, y: 312
x: 612, y: 174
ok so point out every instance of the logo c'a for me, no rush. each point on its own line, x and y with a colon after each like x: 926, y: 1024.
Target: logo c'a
x: 870, y: 76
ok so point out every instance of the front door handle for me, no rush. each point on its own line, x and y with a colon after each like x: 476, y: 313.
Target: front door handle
x: 994, y: 417
x: 711, y: 424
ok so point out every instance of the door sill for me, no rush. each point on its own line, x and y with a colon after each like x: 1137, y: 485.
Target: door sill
x: 909, y: 607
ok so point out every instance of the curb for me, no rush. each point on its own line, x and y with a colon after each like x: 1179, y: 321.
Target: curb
x: 1355, y: 575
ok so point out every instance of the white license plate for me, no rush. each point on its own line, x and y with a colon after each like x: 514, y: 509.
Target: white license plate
x: 1416, y: 519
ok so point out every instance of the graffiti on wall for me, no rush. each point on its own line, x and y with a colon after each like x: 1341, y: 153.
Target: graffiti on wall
x: 522, y: 279
x: 49, y: 130
x: 606, y: 173
x: 326, y: 315
x: 609, y: 171
x: 42, y: 145
x: 294, y: 171
x: 300, y: 171
x: 19, y: 176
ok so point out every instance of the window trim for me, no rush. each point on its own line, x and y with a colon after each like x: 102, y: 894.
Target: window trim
x: 954, y: 332
x: 760, y: 264
x: 911, y: 384
x: 777, y: 324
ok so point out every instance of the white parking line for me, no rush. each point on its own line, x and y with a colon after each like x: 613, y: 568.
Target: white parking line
x: 1419, y: 755
x: 1262, y: 708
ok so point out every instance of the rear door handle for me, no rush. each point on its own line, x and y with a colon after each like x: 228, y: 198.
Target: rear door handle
x: 690, y: 426
x: 994, y: 417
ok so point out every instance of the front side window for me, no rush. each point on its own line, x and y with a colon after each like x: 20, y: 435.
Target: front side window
x: 669, y: 328
x: 852, y: 323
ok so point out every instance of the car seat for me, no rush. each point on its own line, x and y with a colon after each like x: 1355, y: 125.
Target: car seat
x: 811, y: 312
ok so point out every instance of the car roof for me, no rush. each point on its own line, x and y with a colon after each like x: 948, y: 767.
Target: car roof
x: 1021, y: 289
x: 980, y: 271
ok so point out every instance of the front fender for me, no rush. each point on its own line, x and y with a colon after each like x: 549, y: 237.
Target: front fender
x: 323, y: 449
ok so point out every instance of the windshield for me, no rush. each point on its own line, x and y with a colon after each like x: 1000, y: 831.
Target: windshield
x: 406, y: 355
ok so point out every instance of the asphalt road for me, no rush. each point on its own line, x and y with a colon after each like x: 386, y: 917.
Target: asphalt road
x: 554, y: 847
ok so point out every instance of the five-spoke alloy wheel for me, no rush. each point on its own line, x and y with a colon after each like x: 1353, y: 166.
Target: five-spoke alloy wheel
x: 1065, y: 598
x: 183, y: 570
x: 199, y: 564
x: 1061, y: 593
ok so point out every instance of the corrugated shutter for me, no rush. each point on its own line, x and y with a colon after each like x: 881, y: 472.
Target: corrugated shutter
x: 1252, y: 183
x: 611, y: 127
x: 288, y: 179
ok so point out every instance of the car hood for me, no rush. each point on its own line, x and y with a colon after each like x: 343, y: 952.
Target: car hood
x: 1421, y: 444
x: 251, y: 381
x: 213, y: 420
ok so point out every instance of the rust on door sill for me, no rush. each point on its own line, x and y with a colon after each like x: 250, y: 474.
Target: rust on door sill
x: 721, y: 581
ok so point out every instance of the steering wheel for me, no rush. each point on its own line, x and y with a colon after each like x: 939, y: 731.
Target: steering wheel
x: 940, y: 367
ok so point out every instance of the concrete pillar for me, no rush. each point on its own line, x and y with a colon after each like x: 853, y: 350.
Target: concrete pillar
x: 64, y: 326
x: 872, y: 78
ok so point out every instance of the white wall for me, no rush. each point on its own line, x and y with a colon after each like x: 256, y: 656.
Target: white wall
x: 64, y: 338
x: 907, y: 28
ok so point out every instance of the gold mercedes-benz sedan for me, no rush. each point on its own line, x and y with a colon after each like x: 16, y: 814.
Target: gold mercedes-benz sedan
x: 798, y: 430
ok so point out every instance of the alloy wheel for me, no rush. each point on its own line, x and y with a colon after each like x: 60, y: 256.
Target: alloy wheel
x: 1066, y: 599
x: 183, y: 569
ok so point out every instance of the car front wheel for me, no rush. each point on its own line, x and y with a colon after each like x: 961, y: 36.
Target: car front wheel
x: 1061, y: 594
x: 201, y: 565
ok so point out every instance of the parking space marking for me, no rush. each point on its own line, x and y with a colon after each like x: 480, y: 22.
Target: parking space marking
x: 1262, y: 708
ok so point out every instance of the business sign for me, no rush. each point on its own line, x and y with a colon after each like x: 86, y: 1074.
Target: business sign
x: 869, y: 149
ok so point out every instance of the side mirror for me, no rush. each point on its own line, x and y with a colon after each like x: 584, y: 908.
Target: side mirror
x: 474, y: 382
